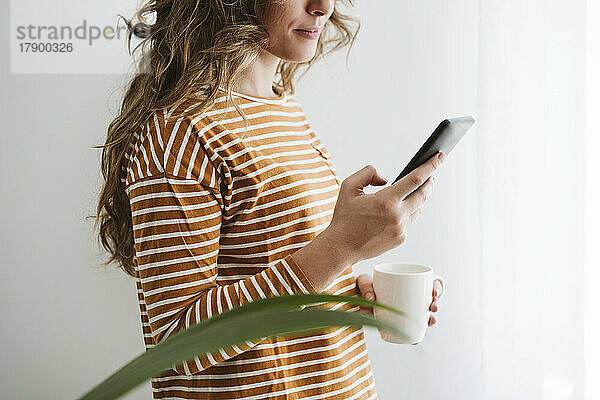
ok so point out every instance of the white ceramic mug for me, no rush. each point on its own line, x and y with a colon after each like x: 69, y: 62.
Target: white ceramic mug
x: 408, y: 288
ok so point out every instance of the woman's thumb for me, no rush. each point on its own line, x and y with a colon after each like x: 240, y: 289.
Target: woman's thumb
x: 366, y: 176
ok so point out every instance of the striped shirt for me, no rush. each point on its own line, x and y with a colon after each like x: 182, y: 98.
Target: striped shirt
x: 217, y: 211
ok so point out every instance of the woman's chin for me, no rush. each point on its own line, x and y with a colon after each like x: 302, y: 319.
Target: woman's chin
x: 301, y: 58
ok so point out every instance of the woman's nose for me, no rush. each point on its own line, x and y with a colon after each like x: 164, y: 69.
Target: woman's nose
x: 320, y: 7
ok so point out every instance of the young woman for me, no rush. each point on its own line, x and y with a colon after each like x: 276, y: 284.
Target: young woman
x: 218, y: 192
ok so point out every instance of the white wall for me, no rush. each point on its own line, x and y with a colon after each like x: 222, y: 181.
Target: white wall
x: 68, y: 323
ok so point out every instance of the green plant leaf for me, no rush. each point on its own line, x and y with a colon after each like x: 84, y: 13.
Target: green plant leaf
x: 289, y: 302
x: 267, y: 317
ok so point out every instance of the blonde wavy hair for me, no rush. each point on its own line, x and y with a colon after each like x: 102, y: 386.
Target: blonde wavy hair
x: 191, y: 48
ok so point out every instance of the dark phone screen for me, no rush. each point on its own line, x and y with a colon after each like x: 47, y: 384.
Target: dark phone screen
x: 444, y: 138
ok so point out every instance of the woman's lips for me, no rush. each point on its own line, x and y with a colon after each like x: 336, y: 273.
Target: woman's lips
x: 307, y: 34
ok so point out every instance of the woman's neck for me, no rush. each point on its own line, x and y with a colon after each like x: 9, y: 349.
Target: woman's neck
x: 257, y: 80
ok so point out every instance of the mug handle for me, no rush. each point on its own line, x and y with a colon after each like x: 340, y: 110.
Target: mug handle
x: 437, y: 277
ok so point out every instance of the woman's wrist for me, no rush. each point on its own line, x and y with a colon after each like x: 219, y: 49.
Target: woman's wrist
x: 324, y: 259
x: 342, y: 252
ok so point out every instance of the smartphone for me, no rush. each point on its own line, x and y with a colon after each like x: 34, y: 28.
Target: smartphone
x: 444, y: 138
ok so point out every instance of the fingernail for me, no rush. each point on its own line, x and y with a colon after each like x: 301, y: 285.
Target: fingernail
x: 442, y: 156
x: 370, y: 296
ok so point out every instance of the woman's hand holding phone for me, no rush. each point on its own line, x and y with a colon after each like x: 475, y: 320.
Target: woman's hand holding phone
x: 364, y: 225
x: 367, y: 225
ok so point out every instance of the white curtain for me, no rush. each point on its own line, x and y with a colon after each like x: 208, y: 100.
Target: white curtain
x: 538, y: 127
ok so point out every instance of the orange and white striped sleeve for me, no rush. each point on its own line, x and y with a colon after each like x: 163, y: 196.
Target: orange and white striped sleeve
x: 176, y: 225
